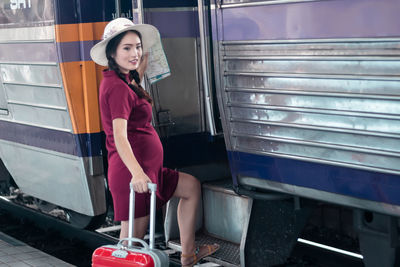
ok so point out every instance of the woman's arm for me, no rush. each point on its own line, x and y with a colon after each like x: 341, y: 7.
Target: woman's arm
x: 143, y: 66
x: 139, y: 178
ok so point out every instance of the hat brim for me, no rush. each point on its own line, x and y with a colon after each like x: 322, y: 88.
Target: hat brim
x: 150, y: 36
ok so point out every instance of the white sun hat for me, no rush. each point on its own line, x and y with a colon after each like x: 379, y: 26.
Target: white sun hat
x: 150, y: 36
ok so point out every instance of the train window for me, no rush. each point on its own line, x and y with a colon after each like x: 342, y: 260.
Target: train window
x: 260, y: 2
x: 123, y: 8
x: 3, y: 102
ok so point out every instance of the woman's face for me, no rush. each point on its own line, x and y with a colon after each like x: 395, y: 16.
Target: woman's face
x: 129, y: 52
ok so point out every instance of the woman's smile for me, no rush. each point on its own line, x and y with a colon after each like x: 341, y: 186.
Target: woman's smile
x: 134, y: 62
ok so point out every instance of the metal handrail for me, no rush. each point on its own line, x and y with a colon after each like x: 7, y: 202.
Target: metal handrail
x: 204, y: 69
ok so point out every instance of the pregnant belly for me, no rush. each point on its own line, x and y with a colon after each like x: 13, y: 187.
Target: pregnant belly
x: 148, y: 150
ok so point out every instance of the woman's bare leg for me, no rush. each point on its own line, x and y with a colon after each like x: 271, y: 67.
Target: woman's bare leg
x: 188, y: 190
x: 140, y: 228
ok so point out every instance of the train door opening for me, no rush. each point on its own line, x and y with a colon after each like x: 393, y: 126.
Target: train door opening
x: 185, y: 112
x: 184, y: 101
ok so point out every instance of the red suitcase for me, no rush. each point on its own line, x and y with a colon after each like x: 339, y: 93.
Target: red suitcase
x: 121, y: 255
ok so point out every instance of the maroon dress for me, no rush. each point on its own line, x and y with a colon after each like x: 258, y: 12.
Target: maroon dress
x: 117, y: 100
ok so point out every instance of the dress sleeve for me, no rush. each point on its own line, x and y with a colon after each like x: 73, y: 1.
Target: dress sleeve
x: 121, y: 101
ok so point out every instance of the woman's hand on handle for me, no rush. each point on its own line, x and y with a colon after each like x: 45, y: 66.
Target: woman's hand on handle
x: 139, y: 182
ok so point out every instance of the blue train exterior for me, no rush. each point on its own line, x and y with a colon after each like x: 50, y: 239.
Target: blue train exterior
x: 309, y: 92
x: 309, y: 98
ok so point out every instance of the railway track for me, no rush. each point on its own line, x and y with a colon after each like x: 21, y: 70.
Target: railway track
x: 75, y: 246
x: 51, y: 235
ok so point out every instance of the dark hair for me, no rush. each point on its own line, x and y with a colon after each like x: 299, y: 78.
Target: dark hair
x: 133, y: 74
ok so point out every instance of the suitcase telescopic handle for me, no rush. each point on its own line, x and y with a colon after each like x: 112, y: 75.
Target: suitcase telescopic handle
x: 153, y: 189
x: 137, y: 240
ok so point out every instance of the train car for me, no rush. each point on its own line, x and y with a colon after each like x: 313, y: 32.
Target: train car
x: 51, y: 140
x: 295, y: 101
x: 50, y: 129
x: 309, y: 97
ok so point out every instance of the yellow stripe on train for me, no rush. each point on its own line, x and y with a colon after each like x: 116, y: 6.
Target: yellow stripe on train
x: 79, y: 31
x: 81, y: 79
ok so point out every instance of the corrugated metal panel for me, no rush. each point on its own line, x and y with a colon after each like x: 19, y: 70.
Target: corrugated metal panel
x: 43, y: 33
x: 242, y: 3
x: 30, y: 76
x: 336, y: 102
x: 35, y: 95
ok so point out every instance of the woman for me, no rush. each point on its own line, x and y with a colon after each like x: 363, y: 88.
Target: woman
x: 135, y: 153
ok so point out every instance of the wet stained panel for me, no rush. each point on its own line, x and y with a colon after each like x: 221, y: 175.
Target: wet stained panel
x: 335, y: 103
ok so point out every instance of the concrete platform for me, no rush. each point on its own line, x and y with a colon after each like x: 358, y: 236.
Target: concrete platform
x: 17, y: 254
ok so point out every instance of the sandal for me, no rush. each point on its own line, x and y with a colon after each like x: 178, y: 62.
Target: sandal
x: 200, y: 253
